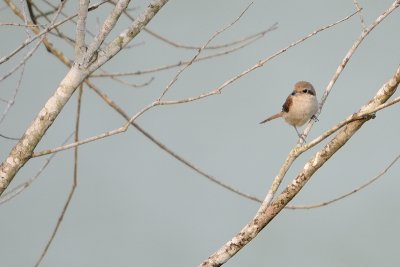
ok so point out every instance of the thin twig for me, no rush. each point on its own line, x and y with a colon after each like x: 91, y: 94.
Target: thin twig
x: 213, y: 179
x: 90, y: 8
x: 11, y: 102
x: 359, y: 8
x: 21, y: 25
x: 199, y: 51
x: 74, y: 182
x: 35, y: 29
x: 133, y: 85
x: 212, y: 47
x: 30, y: 53
x: 362, y: 115
x: 21, y: 187
x: 9, y: 137
x: 46, y: 15
x: 22, y: 151
x: 190, y: 99
x: 350, y: 53
x: 22, y: 62
x: 296, y: 151
x: 181, y: 63
x: 261, y: 63
x: 107, y: 26
x: 358, y: 189
x: 178, y: 45
x: 269, y: 210
x: 119, y: 130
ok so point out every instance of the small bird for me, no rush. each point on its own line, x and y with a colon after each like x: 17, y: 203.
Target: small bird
x: 300, y: 106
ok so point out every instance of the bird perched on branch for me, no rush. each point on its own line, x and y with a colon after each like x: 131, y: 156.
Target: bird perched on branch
x: 300, y: 106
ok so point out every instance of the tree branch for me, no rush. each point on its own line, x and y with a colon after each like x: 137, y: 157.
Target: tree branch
x: 80, y: 45
x: 23, y: 150
x: 269, y: 210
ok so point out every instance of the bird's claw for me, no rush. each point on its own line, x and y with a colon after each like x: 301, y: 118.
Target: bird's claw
x: 314, y: 118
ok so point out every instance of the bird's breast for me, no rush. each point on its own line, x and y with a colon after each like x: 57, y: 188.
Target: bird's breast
x: 303, y: 107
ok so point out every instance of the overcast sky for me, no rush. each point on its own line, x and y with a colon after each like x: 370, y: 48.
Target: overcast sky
x: 135, y: 205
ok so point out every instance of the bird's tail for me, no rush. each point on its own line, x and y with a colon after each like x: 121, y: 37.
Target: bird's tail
x: 277, y: 115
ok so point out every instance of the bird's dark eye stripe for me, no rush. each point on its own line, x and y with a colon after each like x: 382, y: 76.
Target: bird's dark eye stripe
x: 308, y: 91
x: 304, y: 91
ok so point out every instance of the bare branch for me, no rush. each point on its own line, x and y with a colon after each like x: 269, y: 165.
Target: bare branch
x: 172, y: 102
x: 359, y: 8
x: 354, y: 48
x: 74, y: 181
x: 9, y: 137
x: 80, y: 45
x: 11, y: 102
x: 357, y: 116
x: 178, y: 45
x: 119, y: 130
x: 134, y: 85
x: 21, y: 187
x: 291, y: 157
x: 268, y: 210
x: 120, y: 111
x: 226, y: 45
x: 35, y: 29
x: 181, y: 63
x: 199, y: 51
x: 29, y: 54
x: 360, y: 116
x: 23, y: 150
x: 108, y: 25
x: 22, y: 62
x: 261, y: 63
x: 358, y: 189
x: 126, y: 36
x: 347, y: 57
x: 20, y: 25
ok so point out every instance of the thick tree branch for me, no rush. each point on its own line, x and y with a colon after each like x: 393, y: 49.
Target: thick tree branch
x: 80, y: 45
x: 296, y: 151
x: 22, y: 151
x: 269, y: 210
x: 126, y: 36
x: 108, y: 25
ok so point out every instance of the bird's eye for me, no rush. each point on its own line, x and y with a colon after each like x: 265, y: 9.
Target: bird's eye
x: 293, y: 93
x: 305, y: 91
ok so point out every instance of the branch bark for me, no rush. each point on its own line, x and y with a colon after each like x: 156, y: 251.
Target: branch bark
x: 23, y: 150
x: 268, y: 211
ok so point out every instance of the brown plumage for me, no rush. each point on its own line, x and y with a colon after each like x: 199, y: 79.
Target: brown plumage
x: 299, y: 106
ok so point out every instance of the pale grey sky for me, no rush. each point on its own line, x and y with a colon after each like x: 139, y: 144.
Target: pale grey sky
x: 135, y: 205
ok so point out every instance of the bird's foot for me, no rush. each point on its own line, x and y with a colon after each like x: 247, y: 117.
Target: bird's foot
x: 303, y: 138
x: 314, y: 118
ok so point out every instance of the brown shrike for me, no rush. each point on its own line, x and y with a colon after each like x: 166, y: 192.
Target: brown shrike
x: 300, y: 106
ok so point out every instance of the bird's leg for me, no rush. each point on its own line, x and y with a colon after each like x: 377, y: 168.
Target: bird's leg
x: 302, y: 136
